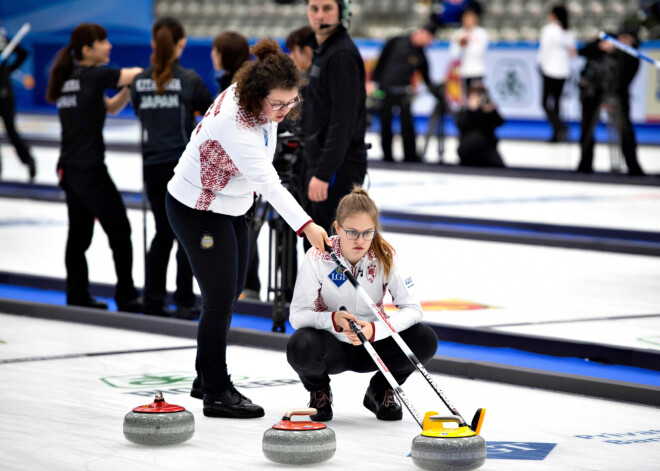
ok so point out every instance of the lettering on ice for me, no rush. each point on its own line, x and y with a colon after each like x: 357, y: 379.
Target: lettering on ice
x: 626, y: 438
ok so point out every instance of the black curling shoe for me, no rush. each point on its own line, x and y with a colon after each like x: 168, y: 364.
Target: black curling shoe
x: 196, y: 390
x: 89, y: 301
x: 321, y: 400
x: 232, y: 404
x: 383, y: 403
x: 132, y: 305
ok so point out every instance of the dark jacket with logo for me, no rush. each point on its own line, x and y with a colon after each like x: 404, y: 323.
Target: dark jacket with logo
x: 335, y: 113
x: 168, y: 119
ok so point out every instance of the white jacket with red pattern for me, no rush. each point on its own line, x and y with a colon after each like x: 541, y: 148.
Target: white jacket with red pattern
x: 228, y: 158
x: 321, y: 288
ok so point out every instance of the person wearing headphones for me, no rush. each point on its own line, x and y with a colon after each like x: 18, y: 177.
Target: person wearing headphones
x: 335, y: 155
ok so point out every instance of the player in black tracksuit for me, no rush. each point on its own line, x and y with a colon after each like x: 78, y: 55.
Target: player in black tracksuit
x: 168, y: 119
x: 335, y: 155
x: 401, y: 57
x: 7, y: 107
x: 77, y: 84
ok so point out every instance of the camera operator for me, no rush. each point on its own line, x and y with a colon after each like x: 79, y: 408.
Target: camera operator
x: 604, y: 83
x: 477, y: 122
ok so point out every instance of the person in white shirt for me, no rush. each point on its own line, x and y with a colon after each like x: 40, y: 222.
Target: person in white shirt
x: 469, y: 44
x: 556, y: 47
x: 324, y: 343
x: 228, y: 159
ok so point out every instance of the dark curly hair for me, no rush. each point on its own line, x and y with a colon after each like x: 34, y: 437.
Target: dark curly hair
x: 272, y: 69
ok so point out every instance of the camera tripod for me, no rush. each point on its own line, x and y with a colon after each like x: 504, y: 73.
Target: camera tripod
x: 436, y: 126
x: 614, y: 126
x: 282, y: 240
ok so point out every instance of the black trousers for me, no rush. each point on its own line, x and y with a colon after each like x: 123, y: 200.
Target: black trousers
x: 91, y: 194
x: 590, y: 116
x: 156, y: 178
x: 402, y: 102
x: 324, y: 212
x: 316, y: 354
x: 475, y: 151
x: 551, y: 101
x: 220, y: 272
x: 7, y: 112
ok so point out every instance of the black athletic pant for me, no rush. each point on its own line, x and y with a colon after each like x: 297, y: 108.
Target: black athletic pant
x: 475, y: 151
x: 551, y: 101
x: 407, y: 127
x: 220, y: 272
x: 590, y: 116
x: 156, y: 178
x: 323, y: 213
x: 8, y: 114
x: 91, y: 194
x: 316, y: 354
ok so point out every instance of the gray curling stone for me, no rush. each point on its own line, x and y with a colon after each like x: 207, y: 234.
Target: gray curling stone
x: 159, y: 423
x: 448, y: 449
x: 298, y: 442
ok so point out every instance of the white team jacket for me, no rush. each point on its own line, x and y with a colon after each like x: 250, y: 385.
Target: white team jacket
x: 228, y: 158
x: 321, y: 288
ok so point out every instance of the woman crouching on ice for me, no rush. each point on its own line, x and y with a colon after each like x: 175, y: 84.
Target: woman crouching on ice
x: 324, y: 344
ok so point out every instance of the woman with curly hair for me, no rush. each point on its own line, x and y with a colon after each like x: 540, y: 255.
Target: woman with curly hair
x: 229, y: 159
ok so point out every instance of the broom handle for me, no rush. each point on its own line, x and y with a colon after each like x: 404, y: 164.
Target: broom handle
x: 25, y: 29
x: 628, y: 49
x: 395, y: 335
x: 383, y: 369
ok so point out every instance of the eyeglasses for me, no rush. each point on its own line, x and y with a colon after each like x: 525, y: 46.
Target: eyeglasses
x: 279, y: 106
x: 352, y: 234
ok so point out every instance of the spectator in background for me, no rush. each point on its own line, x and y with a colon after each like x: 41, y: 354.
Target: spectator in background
x: 604, y: 84
x: 469, y: 44
x: 166, y: 97
x: 7, y: 106
x: 77, y: 85
x: 477, y: 122
x: 230, y: 51
x: 300, y: 50
x: 401, y: 57
x: 336, y: 116
x: 556, y: 47
x: 448, y: 12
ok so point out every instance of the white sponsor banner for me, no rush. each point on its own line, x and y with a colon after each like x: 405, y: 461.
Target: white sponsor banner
x: 515, y: 83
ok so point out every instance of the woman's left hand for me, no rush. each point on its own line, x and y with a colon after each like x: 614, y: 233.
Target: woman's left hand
x: 366, y: 329
x: 317, y: 236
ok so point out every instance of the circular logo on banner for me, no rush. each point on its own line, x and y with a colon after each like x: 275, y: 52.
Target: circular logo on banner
x: 511, y: 79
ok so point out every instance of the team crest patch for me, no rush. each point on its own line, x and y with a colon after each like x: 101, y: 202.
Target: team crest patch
x: 371, y: 273
x: 337, y: 276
